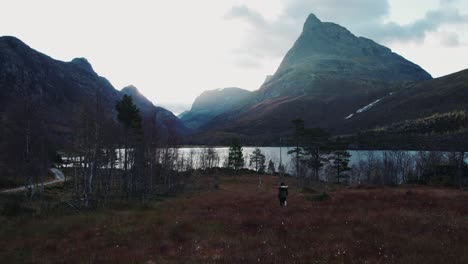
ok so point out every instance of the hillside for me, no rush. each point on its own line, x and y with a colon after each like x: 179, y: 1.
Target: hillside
x: 59, y: 89
x: 423, y: 99
x: 164, y: 118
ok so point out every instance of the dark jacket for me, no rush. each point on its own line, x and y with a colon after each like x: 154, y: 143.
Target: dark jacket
x: 283, y: 192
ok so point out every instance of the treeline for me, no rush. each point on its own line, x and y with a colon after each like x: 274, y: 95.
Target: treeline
x: 130, y: 158
x: 447, y: 131
x: 106, y: 154
x: 415, y: 167
x: 319, y: 157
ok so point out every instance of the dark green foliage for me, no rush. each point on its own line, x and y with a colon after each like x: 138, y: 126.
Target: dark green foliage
x: 128, y: 113
x: 236, y: 157
x: 340, y: 162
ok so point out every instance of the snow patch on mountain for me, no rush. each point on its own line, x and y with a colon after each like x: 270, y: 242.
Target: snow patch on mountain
x: 367, y: 107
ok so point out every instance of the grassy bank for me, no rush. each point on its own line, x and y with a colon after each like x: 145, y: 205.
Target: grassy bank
x: 239, y: 224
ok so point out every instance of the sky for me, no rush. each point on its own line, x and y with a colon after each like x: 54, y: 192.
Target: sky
x: 173, y: 50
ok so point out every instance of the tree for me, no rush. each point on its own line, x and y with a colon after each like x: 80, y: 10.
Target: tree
x: 235, y: 158
x: 129, y: 115
x: 340, y: 162
x: 317, y: 150
x: 311, y: 148
x: 297, y: 141
x: 271, y: 167
x: 209, y: 158
x: 257, y: 160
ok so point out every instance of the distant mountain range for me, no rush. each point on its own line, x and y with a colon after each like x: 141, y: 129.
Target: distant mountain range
x: 335, y: 80
x: 330, y: 78
x: 63, y: 88
x: 211, y: 104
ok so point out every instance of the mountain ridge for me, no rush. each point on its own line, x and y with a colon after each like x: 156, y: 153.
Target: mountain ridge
x: 61, y: 88
x: 326, y: 75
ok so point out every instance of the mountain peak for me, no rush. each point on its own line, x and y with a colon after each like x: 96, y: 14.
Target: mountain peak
x: 83, y: 63
x: 11, y: 40
x: 312, y: 20
x: 138, y: 98
x: 130, y: 89
x: 13, y: 43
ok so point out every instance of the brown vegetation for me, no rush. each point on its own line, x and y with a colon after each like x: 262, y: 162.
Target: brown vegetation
x: 239, y: 224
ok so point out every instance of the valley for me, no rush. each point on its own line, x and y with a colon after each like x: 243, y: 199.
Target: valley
x: 347, y: 152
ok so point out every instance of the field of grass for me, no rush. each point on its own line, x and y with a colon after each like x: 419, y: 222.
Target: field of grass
x: 240, y: 224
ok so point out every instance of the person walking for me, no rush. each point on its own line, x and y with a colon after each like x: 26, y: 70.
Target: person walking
x: 283, y: 194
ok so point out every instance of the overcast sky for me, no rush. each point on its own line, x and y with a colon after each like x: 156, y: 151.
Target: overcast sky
x: 173, y: 50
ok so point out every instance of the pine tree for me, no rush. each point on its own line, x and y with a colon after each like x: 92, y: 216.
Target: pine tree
x: 257, y: 160
x: 129, y: 115
x: 235, y: 158
x: 317, y: 150
x: 298, y: 151
x: 340, y: 162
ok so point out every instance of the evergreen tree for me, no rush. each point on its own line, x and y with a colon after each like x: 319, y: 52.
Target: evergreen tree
x: 317, y: 149
x: 297, y: 141
x: 271, y: 167
x: 235, y: 158
x: 257, y: 160
x: 340, y: 162
x: 129, y: 115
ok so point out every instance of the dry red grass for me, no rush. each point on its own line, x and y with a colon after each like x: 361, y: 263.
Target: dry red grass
x: 239, y: 224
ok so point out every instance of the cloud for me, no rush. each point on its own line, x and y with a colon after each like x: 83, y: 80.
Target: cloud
x: 416, y: 31
x: 450, y: 39
x: 369, y: 18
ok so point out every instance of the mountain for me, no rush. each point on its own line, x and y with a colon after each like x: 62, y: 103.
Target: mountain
x: 327, y: 59
x: 325, y: 76
x: 61, y: 88
x: 212, y: 103
x: 163, y: 117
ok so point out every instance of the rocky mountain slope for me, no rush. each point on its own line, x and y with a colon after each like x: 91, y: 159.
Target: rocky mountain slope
x: 328, y: 74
